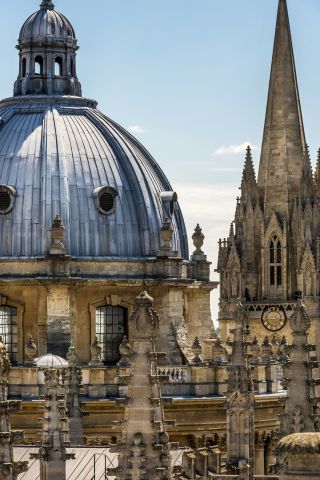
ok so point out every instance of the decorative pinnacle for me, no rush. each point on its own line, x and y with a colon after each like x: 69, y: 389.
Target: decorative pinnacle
x: 47, y: 4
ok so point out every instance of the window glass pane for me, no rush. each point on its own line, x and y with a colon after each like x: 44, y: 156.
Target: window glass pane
x: 279, y: 275
x: 272, y: 276
x: 8, y: 330
x: 272, y: 252
x: 279, y: 252
x: 111, y: 324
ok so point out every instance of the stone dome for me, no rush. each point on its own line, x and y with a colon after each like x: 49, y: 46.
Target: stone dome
x: 46, y: 22
x: 61, y: 156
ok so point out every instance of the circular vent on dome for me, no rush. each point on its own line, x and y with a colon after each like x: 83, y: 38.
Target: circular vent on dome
x: 7, y: 195
x: 105, y: 199
x: 106, y: 202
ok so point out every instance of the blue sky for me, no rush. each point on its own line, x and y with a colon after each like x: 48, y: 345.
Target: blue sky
x: 190, y: 78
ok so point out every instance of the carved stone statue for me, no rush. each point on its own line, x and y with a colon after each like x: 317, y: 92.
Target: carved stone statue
x: 96, y: 350
x: 30, y: 351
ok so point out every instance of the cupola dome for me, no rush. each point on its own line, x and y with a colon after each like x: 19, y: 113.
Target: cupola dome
x: 46, y: 22
x: 47, y: 45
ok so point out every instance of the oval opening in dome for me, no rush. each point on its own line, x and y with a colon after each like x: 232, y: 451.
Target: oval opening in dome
x: 106, y: 202
x: 5, y: 201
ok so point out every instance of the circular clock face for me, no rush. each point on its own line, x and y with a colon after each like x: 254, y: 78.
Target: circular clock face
x: 274, y: 318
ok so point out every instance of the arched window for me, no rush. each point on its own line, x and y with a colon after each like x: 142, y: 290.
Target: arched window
x: 111, y: 325
x: 9, y: 331
x: 275, y: 262
x: 58, y: 66
x: 24, y: 67
x: 38, y: 65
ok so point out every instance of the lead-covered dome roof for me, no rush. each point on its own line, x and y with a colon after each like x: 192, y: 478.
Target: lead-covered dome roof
x: 58, y: 156
x: 46, y: 22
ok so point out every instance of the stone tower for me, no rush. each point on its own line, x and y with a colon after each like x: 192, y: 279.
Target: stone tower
x: 240, y: 402
x: 272, y: 254
x: 144, y: 449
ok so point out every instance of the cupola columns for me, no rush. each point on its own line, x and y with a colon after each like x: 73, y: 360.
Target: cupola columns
x: 282, y: 155
x: 47, y: 55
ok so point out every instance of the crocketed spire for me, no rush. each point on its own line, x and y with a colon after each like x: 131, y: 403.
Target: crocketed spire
x: 282, y: 154
x: 248, y: 183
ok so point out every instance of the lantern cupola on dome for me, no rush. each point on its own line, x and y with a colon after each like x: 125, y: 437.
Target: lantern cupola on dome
x: 47, y: 48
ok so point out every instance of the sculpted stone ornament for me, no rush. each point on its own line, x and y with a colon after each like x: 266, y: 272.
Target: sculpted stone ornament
x: 198, y: 240
x: 57, y: 232
x: 96, y: 350
x: 166, y: 235
x: 30, y: 351
x: 125, y: 352
x: 197, y: 350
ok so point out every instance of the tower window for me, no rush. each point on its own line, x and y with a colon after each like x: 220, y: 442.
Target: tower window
x: 24, y: 67
x: 72, y: 67
x: 38, y: 65
x: 275, y: 262
x: 9, y: 331
x: 58, y: 66
x: 111, y: 325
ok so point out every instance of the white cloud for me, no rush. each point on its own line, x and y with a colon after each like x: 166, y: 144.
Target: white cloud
x: 136, y: 129
x: 233, y: 149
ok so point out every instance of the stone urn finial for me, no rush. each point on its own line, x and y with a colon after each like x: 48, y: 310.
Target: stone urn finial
x: 198, y: 239
x: 57, y: 232
x: 125, y: 352
x: 96, y: 350
x: 166, y: 234
x: 196, y: 350
x: 30, y: 351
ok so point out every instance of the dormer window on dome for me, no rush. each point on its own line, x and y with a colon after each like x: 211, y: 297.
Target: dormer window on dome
x: 47, y: 46
x: 105, y: 199
x: 7, y: 199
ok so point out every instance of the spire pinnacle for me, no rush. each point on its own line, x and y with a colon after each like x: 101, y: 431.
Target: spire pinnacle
x: 248, y: 183
x: 282, y: 154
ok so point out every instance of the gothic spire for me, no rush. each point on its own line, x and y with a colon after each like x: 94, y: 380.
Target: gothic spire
x: 282, y: 154
x: 248, y: 183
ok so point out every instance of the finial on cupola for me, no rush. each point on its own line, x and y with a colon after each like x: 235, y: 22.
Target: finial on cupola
x: 47, y: 4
